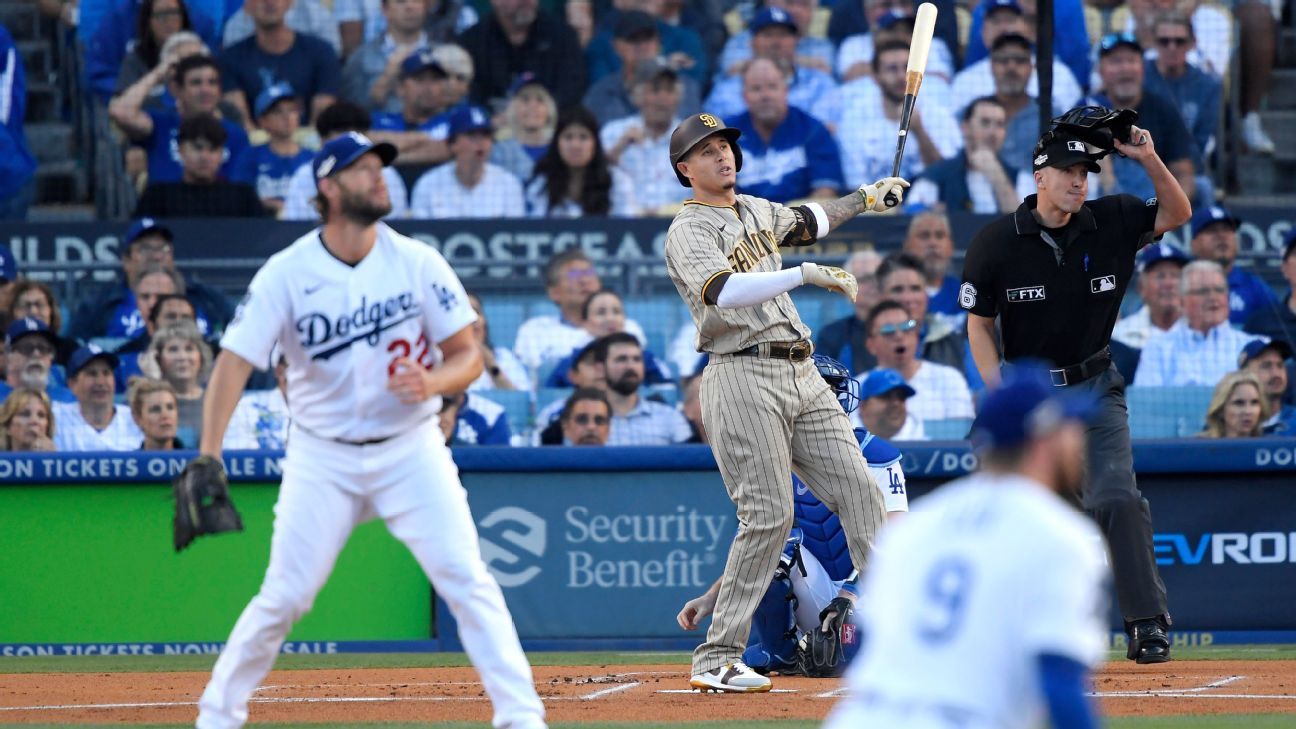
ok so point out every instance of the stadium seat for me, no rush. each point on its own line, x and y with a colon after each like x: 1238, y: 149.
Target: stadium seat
x: 657, y: 316
x: 517, y: 407
x: 1179, y: 410
x: 503, y: 315
x: 546, y: 395
x: 947, y: 428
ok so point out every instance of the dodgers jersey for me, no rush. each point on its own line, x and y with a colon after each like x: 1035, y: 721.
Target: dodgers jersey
x: 342, y: 327
x: 961, y: 597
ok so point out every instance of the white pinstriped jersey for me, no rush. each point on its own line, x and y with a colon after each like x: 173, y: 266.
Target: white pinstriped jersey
x: 707, y: 240
x: 342, y: 327
x: 73, y: 433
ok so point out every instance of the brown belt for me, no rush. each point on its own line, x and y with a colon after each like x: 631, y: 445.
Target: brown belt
x: 795, y: 351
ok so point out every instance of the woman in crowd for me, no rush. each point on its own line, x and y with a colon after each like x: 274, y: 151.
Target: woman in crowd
x: 527, y: 129
x: 502, y: 370
x: 37, y: 300
x: 603, y: 313
x: 26, y: 421
x: 1237, y: 408
x: 574, y: 178
x: 158, y: 21
x: 155, y: 408
x: 184, y: 360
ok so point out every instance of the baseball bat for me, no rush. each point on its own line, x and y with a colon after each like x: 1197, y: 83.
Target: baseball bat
x: 919, y: 47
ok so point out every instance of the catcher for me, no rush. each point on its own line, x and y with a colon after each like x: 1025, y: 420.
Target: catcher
x: 803, y: 623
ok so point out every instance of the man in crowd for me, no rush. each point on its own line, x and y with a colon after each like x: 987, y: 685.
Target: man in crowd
x: 930, y: 240
x: 1012, y: 65
x: 586, y: 418
x: 1279, y: 320
x: 810, y: 51
x: 470, y: 185
x: 1159, y: 266
x: 638, y: 143
x: 977, y: 179
x: 940, y: 391
x: 517, y: 36
x: 637, y: 43
x: 29, y: 355
x: 1268, y: 361
x: 636, y: 420
x: 94, y: 422
x: 371, y: 72
x: 1195, y: 92
x: 1202, y: 347
x: 419, y: 130
x: 195, y: 82
x: 902, y: 278
x: 200, y: 193
x: 787, y: 154
x: 278, y: 54
x: 1005, y: 17
x: 884, y: 407
x: 1214, y: 238
x: 845, y: 340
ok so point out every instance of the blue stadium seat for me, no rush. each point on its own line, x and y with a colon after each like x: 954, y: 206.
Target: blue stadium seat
x: 504, y: 315
x: 517, y: 407
x: 667, y: 391
x: 546, y: 395
x: 947, y: 428
x: 1167, y: 412
x: 657, y: 315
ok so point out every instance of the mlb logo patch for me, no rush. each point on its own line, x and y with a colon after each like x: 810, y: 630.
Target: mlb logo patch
x: 1076, y: 146
x: 1102, y: 284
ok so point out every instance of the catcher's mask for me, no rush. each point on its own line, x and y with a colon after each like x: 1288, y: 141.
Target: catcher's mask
x: 840, y: 380
x: 1096, y: 126
x: 692, y: 131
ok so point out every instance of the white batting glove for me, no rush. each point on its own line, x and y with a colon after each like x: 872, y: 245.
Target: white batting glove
x: 831, y: 278
x: 875, y: 195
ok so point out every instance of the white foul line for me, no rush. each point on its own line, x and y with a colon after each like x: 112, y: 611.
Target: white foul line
x: 1186, y: 695
x: 832, y: 694
x: 610, y: 690
x: 1217, y: 684
x: 695, y: 691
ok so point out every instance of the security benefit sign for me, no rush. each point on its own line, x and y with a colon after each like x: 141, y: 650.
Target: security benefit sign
x: 1226, y: 548
x: 601, y: 555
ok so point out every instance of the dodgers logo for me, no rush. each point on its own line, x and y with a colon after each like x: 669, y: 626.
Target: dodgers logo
x: 505, y: 554
x: 327, y: 336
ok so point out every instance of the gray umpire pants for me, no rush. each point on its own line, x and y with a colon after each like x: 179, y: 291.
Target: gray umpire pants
x: 1113, y: 499
x: 766, y: 417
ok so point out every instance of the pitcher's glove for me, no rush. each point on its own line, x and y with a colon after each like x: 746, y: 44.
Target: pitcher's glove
x: 825, y: 651
x: 831, y: 278
x: 202, y: 502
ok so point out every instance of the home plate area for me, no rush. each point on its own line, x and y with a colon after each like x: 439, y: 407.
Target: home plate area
x: 582, y: 693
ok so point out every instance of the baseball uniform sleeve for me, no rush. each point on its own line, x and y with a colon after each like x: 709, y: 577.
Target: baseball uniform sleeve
x: 1140, y: 217
x: 977, y: 292
x: 259, y: 319
x: 693, y: 259
x: 447, y: 310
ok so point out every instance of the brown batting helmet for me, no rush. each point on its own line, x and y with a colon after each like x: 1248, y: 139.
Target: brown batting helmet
x: 693, y: 130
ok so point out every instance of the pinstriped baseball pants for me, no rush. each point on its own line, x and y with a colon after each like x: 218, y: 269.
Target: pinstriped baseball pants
x: 766, y: 417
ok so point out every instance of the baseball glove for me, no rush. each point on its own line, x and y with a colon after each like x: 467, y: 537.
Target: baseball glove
x: 202, y: 502
x: 825, y: 651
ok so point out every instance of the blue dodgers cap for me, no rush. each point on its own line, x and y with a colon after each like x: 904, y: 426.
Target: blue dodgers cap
x: 270, y: 96
x: 993, y: 5
x: 770, y: 17
x: 1257, y: 347
x: 146, y: 225
x: 1211, y: 215
x: 422, y: 60
x: 28, y: 326
x: 340, y: 152
x: 87, y: 354
x: 1158, y: 252
x: 524, y: 79
x: 883, y: 380
x: 1026, y: 406
x: 468, y: 118
x: 8, y: 265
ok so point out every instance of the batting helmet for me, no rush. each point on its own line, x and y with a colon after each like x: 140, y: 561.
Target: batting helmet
x: 840, y: 380
x: 693, y: 130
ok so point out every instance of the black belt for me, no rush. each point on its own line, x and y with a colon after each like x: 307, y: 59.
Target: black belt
x: 1077, y: 373
x: 796, y: 351
x: 345, y: 441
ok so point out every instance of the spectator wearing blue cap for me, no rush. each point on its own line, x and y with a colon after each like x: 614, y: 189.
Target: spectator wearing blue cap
x: 884, y: 406
x: 1070, y: 42
x: 774, y: 36
x: 338, y: 120
x: 788, y: 155
x: 195, y: 82
x: 94, y: 422
x: 29, y: 357
x: 529, y: 120
x: 470, y: 185
x: 1279, y: 321
x: 17, y: 165
x: 679, y: 45
x: 1159, y: 266
x: 420, y: 128
x: 810, y: 51
x: 855, y: 57
x: 1214, y: 238
x: 638, y: 46
x: 517, y: 37
x: 1268, y: 362
x: 978, y: 77
x: 200, y: 193
x: 372, y: 71
x: 270, y: 166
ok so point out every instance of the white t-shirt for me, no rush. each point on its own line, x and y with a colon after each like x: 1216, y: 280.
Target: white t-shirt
x: 655, y: 184
x: 963, y: 595
x: 941, y: 393
x: 977, y: 80
x: 301, y: 190
x: 543, y: 339
x: 73, y: 433
x: 260, y: 421
x: 439, y: 194
x: 341, y: 327
x: 870, y: 151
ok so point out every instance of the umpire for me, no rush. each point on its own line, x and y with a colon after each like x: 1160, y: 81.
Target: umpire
x: 1054, y: 273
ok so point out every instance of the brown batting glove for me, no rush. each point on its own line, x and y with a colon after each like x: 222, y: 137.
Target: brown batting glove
x: 831, y: 278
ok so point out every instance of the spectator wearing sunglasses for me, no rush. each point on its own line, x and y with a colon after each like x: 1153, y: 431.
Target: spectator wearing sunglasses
x: 586, y: 418
x: 29, y: 356
x: 1195, y: 92
x: 940, y: 392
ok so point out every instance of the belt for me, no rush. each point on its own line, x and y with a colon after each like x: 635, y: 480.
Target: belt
x: 796, y: 351
x: 1077, y: 373
x: 368, y: 442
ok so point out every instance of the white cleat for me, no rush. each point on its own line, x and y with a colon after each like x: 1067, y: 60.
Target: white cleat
x: 732, y: 677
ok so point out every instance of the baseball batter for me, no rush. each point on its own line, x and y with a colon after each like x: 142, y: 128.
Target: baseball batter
x: 374, y: 327
x: 763, y: 402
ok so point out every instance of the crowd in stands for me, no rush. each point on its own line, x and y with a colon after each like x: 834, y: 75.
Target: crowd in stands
x: 523, y: 108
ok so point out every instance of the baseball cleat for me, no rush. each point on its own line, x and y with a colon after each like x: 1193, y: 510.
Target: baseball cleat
x: 1148, y: 642
x: 732, y: 677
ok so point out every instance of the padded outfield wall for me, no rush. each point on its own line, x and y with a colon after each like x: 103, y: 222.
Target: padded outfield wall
x: 594, y: 548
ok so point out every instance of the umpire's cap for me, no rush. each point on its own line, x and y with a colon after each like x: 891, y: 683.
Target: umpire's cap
x: 692, y: 131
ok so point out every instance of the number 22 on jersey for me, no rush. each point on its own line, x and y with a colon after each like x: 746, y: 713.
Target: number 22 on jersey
x: 402, y: 348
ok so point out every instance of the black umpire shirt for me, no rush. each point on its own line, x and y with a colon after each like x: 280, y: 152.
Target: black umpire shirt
x: 1057, y: 292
